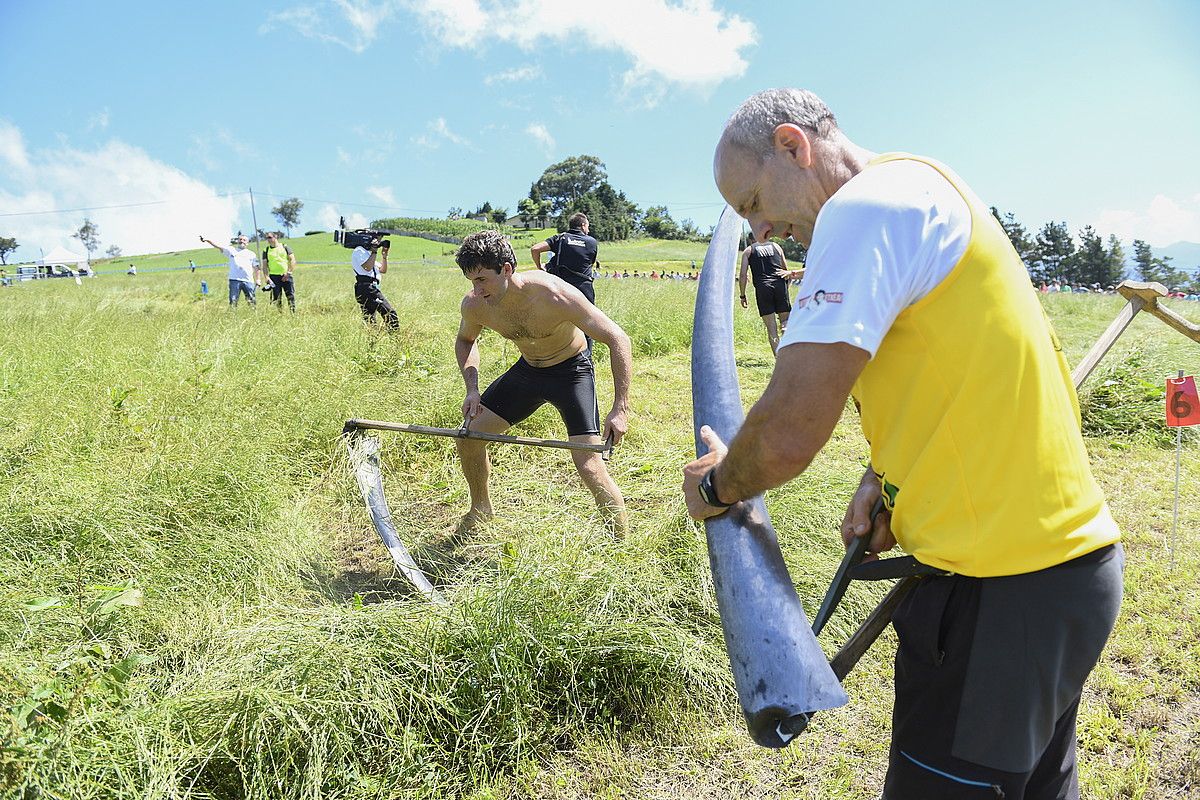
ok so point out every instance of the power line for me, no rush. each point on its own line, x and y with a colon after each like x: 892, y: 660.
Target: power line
x: 102, y: 208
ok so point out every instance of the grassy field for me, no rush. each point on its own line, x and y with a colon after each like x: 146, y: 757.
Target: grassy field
x: 408, y: 251
x: 194, y: 604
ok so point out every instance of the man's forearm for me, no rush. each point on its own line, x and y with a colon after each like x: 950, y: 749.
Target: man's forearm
x: 468, y: 363
x: 620, y: 356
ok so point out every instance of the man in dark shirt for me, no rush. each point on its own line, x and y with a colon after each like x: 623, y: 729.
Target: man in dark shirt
x: 574, y: 255
x: 766, y: 262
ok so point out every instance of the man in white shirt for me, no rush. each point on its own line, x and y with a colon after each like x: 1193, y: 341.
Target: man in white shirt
x: 243, y: 269
x: 915, y: 299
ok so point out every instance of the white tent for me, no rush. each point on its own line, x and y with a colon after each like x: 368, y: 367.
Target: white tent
x: 61, y: 255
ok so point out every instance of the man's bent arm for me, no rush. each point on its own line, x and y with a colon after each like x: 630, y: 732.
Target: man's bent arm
x: 536, y: 251
x: 467, y: 354
x: 596, y: 324
x: 793, y: 419
x: 742, y: 274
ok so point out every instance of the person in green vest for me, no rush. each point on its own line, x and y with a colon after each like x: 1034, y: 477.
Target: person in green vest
x: 281, y: 265
x: 915, y: 303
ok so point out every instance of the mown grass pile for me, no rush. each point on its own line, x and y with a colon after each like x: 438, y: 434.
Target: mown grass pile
x: 194, y: 603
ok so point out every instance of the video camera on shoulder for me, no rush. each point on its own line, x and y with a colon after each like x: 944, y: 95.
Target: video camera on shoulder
x: 361, y: 238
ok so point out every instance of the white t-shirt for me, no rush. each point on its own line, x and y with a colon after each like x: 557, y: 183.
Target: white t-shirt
x: 881, y: 243
x: 241, y: 263
x: 359, y: 257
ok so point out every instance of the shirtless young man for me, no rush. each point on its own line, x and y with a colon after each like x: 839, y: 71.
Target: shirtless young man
x: 547, y: 319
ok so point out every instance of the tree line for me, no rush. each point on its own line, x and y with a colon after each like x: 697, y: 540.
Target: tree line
x: 580, y: 184
x: 1053, y: 256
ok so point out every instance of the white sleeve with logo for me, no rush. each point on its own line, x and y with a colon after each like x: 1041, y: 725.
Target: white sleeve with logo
x: 881, y: 243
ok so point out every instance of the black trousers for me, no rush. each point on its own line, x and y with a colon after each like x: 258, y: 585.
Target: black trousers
x: 989, y: 672
x: 371, y: 300
x: 281, y: 285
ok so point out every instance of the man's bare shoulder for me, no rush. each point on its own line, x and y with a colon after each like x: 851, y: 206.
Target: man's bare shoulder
x: 471, y: 305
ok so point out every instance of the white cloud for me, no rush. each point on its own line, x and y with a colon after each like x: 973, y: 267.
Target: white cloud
x: 99, y: 120
x: 540, y: 135
x: 12, y: 147
x: 1164, y: 222
x: 328, y: 217
x: 437, y: 132
x: 166, y: 209
x: 384, y: 195
x: 690, y: 43
x: 354, y: 26
x: 518, y: 75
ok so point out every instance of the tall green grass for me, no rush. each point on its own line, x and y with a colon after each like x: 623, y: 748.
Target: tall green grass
x: 154, y: 441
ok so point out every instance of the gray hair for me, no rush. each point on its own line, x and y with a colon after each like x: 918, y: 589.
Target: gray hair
x: 753, y: 125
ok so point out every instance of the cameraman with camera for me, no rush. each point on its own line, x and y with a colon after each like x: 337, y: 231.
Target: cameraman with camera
x: 366, y: 281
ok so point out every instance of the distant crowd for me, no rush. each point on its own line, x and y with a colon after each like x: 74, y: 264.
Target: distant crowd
x: 653, y: 275
x: 1095, y: 288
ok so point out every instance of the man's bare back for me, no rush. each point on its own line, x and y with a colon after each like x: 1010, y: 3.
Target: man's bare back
x: 533, y: 316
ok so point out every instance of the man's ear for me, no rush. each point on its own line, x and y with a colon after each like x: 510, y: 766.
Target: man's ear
x: 794, y: 141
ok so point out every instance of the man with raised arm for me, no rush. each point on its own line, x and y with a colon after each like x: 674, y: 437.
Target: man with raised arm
x: 917, y: 304
x: 244, y: 276
x: 548, y: 321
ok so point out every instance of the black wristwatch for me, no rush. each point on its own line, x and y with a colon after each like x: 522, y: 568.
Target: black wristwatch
x: 708, y: 490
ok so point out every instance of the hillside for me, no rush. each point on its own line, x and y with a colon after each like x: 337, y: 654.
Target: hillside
x: 319, y: 248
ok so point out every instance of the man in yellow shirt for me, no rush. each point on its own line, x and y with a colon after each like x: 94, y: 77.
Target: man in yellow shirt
x: 915, y: 302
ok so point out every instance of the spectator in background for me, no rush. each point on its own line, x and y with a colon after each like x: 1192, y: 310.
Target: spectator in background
x: 574, y: 255
x: 280, y: 261
x: 244, y: 275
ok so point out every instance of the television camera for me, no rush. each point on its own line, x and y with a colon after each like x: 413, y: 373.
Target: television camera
x: 361, y: 237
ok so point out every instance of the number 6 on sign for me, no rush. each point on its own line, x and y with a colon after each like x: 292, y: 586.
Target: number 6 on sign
x: 1183, y: 403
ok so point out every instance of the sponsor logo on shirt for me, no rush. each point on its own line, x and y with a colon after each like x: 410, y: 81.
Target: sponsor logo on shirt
x: 819, y: 298
x: 576, y: 242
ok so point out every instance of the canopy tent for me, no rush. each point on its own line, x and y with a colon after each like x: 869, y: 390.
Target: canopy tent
x: 61, y: 255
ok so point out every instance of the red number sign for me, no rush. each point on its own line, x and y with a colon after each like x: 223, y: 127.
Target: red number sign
x: 1183, y: 403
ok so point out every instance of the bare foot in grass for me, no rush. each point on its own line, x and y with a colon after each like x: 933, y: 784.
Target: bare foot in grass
x: 472, y: 522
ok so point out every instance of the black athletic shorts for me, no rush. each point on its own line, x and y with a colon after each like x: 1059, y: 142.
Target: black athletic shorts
x: 569, y: 386
x: 772, y: 297
x: 989, y: 672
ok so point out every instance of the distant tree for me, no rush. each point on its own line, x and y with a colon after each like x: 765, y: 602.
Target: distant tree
x: 793, y: 251
x: 658, y: 224
x: 1053, y: 249
x: 7, y: 245
x: 499, y: 215
x: 1021, y: 241
x: 1115, y: 262
x: 454, y: 213
x: 1150, y: 267
x: 89, y: 235
x: 113, y: 252
x: 483, y: 211
x: 1089, y: 264
x: 533, y: 211
x: 569, y: 180
x: 611, y: 216
x: 288, y: 213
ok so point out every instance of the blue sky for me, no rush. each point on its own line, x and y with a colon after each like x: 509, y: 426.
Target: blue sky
x: 1087, y: 112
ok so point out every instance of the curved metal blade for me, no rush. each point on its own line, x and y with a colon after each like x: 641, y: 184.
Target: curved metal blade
x: 364, y: 458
